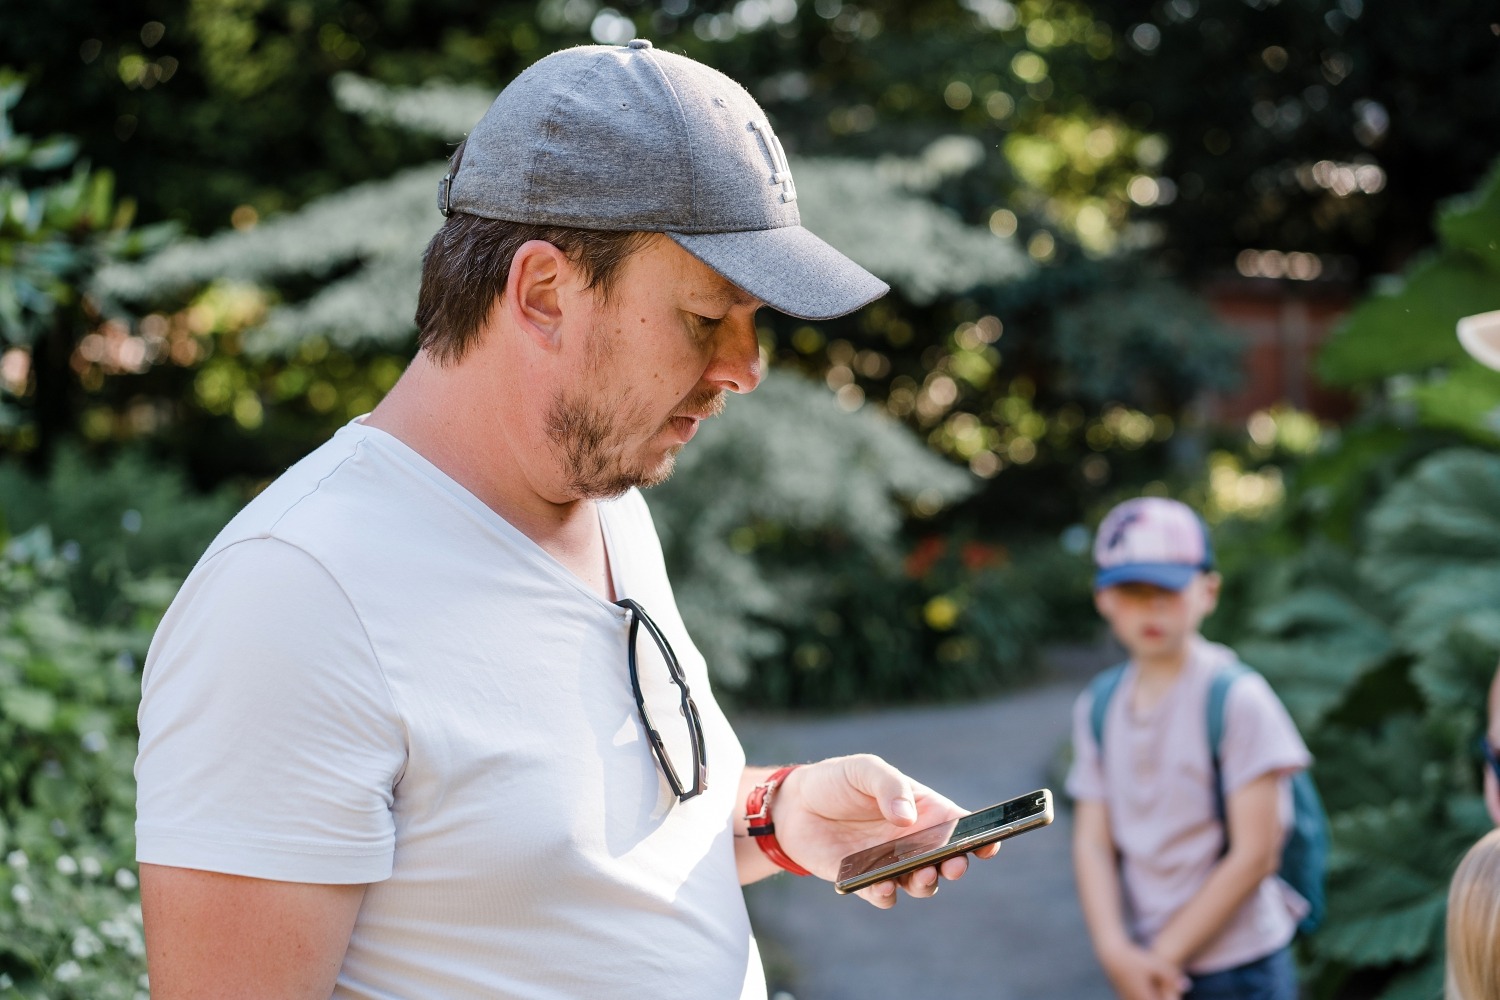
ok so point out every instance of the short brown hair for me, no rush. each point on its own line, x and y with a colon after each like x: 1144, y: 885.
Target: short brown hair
x: 465, y: 267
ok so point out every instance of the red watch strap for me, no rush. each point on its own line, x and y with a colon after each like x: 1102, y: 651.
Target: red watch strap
x: 761, y: 829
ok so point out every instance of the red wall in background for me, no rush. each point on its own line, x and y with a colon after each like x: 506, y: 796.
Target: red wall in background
x: 1283, y: 323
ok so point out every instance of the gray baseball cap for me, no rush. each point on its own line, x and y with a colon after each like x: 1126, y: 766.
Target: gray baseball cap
x: 630, y: 137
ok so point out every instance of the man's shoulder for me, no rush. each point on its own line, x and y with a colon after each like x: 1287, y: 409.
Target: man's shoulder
x: 302, y: 491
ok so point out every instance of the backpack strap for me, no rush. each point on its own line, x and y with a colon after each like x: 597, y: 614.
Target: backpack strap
x: 1218, y: 693
x: 1102, y: 689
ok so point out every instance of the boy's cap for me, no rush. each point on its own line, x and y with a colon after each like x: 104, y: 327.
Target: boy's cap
x: 1151, y: 540
x: 1480, y: 335
x: 629, y: 137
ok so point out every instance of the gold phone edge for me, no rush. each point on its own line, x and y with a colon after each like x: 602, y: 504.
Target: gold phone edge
x: 1044, y: 818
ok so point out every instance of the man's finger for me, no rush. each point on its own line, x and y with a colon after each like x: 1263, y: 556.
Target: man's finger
x: 954, y: 868
x: 922, y: 883
x: 891, y: 789
x: 881, y: 894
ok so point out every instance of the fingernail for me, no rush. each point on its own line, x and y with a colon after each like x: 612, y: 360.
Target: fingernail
x: 905, y: 809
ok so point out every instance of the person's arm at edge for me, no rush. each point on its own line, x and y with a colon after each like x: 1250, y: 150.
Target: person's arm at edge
x: 1255, y: 836
x: 826, y: 810
x: 1133, y: 970
x: 211, y: 936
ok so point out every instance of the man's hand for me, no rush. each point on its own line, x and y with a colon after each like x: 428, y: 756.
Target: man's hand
x: 826, y: 811
x: 1137, y: 974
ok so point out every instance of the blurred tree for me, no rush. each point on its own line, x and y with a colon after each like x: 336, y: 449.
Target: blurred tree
x: 1329, y: 126
x: 52, y: 238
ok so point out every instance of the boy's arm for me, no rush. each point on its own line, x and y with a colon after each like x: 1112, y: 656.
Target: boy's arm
x: 1136, y: 973
x: 1255, y: 836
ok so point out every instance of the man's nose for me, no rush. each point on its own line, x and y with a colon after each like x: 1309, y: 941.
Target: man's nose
x: 736, y: 363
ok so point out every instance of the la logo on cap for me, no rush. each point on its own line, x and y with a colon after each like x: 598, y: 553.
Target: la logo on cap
x: 781, y: 171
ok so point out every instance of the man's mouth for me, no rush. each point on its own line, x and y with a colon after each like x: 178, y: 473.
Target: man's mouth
x: 698, y: 409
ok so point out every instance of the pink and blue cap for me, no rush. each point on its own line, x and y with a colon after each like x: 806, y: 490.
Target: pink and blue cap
x: 1151, y: 540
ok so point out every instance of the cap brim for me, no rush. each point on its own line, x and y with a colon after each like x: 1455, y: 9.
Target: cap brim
x: 789, y: 269
x: 1480, y: 335
x: 1172, y: 576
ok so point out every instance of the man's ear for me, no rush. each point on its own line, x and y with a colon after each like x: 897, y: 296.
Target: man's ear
x: 536, y: 292
x: 1104, y: 601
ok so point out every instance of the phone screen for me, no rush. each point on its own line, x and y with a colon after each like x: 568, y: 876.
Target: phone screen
x: 933, y: 843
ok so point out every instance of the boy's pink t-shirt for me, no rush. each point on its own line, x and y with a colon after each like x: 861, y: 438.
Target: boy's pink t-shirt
x: 1156, y: 780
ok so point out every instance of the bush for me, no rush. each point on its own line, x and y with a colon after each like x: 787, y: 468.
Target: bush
x: 783, y: 534
x: 117, y: 520
x: 1383, y: 651
x: 70, y: 919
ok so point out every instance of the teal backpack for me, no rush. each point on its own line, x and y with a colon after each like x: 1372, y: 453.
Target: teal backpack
x: 1304, y: 859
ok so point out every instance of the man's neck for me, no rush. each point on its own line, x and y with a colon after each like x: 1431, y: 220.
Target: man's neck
x: 466, y: 431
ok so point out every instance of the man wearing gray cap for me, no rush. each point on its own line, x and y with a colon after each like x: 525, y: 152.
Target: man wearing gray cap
x: 424, y: 721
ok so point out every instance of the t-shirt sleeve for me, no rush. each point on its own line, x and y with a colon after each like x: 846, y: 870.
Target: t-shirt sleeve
x: 1259, y: 735
x: 1086, y: 776
x: 270, y: 745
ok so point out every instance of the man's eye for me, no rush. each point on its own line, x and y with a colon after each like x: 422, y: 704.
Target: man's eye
x: 709, y: 321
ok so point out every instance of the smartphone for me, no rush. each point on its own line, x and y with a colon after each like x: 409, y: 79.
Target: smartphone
x: 933, y: 844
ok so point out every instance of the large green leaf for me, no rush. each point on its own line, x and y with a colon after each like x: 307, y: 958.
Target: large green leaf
x: 1443, y: 517
x: 1472, y: 222
x: 1464, y: 398
x: 1411, y: 327
x: 1388, y: 882
x: 1314, y: 646
x: 1425, y: 982
x: 1458, y: 668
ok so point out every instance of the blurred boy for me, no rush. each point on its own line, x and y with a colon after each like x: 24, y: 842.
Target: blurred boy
x: 1180, y: 903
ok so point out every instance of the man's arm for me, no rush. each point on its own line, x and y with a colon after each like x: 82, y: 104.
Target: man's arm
x: 1136, y: 973
x: 225, y: 937
x: 1255, y: 837
x: 825, y: 811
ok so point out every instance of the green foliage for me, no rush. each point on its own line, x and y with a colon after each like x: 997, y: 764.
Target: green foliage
x: 1146, y: 341
x: 1383, y: 654
x: 1408, y: 328
x: 70, y: 920
x: 1250, y: 95
x: 783, y: 533
x: 115, y: 521
x: 52, y: 238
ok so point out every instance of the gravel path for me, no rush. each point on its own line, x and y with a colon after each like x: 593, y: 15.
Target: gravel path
x: 1010, y: 930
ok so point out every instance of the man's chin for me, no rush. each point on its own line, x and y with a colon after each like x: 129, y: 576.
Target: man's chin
x: 625, y: 481
x: 663, y: 470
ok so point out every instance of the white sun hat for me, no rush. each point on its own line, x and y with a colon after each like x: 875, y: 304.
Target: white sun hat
x: 1480, y: 335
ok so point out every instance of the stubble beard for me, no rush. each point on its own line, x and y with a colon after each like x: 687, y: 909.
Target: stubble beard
x: 593, y: 450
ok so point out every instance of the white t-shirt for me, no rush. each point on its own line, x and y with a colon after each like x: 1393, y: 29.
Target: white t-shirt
x: 370, y: 677
x: 1156, y: 779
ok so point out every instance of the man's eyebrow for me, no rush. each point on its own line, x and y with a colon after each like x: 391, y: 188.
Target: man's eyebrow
x: 733, y: 295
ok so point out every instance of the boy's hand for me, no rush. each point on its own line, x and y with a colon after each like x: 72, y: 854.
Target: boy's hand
x: 1137, y: 974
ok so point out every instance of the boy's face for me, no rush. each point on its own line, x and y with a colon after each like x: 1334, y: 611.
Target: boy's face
x: 1153, y: 622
